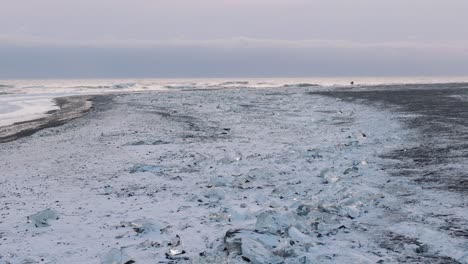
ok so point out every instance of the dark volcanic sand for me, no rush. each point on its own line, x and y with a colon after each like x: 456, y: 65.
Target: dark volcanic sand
x: 438, y: 113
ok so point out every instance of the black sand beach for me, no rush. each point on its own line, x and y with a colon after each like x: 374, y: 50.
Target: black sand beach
x: 438, y: 114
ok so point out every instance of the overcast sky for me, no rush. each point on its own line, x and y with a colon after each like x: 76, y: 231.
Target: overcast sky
x: 232, y: 38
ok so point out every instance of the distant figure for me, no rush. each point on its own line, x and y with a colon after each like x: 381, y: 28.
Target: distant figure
x: 352, y: 82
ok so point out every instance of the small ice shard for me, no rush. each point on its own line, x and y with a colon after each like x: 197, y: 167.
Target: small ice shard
x: 328, y: 176
x: 352, y: 211
x: 271, y: 221
x: 328, y: 208
x: 217, y: 182
x: 421, y: 249
x: 232, y: 242
x: 303, y: 209
x: 299, y: 237
x: 145, y: 168
x: 255, y: 252
x: 285, y: 191
x: 284, y: 250
x: 312, y: 153
x: 260, y: 198
x: 215, y: 194
x: 114, y: 256
x: 351, y: 170
x: 234, y: 238
x: 174, y: 252
x: 143, y: 226
x: 239, y: 216
x: 175, y: 241
x: 147, y: 226
x: 300, y: 260
x: 107, y: 190
x: 41, y: 219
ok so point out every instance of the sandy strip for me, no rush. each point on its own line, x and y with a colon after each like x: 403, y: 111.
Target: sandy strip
x: 70, y: 108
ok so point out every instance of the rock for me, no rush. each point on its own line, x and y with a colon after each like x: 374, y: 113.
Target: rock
x: 41, y: 219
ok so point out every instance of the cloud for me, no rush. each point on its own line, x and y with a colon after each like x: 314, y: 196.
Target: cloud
x: 234, y: 43
x: 26, y: 57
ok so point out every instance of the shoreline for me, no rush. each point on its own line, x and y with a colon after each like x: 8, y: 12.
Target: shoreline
x: 70, y: 107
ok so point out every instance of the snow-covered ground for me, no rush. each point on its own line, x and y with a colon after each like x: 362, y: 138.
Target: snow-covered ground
x: 271, y: 175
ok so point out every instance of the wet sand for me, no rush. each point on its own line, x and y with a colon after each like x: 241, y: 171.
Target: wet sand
x: 69, y: 108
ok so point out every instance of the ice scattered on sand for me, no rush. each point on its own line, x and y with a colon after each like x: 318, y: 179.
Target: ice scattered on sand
x: 293, y: 181
x: 42, y: 218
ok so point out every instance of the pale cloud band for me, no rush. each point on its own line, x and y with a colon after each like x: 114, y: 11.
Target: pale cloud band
x: 235, y: 43
x: 27, y: 57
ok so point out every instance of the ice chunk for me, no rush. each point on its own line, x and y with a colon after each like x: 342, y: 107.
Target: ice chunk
x: 351, y: 170
x: 300, y: 260
x: 114, y: 256
x: 239, y: 215
x: 254, y: 252
x: 234, y: 237
x: 144, y: 226
x: 145, y: 168
x: 174, y: 252
x: 272, y: 221
x: 41, y: 219
x: 217, y: 182
x: 299, y: 237
x: 303, y: 209
x: 215, y: 194
x: 147, y: 226
x: 284, y: 250
x: 352, y: 211
x: 312, y: 153
x: 329, y: 176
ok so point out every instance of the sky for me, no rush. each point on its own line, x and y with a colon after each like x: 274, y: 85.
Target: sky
x: 232, y: 38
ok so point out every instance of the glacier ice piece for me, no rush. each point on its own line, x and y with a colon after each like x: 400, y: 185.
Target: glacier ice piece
x: 41, y: 219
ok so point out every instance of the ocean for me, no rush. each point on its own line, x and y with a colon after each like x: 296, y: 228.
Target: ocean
x: 24, y: 100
